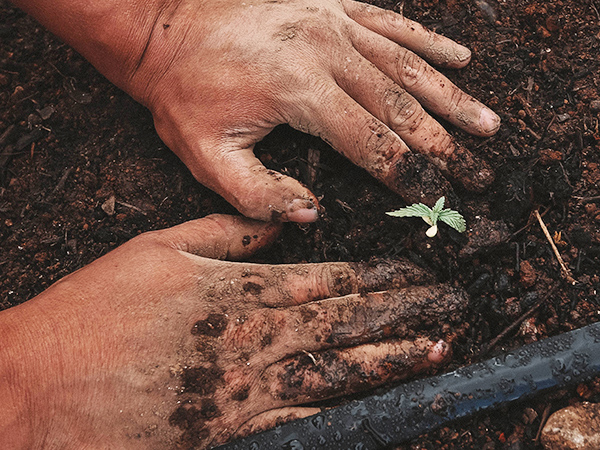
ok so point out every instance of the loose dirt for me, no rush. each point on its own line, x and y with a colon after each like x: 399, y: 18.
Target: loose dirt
x: 70, y: 141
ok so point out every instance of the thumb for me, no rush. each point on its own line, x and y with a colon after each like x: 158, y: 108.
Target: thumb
x: 220, y: 236
x: 255, y: 191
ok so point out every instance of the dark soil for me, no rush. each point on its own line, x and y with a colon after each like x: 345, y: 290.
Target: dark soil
x: 69, y: 141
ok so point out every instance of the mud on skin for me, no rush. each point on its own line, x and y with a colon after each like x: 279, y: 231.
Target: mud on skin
x: 330, y: 372
x: 421, y: 178
x: 320, y: 348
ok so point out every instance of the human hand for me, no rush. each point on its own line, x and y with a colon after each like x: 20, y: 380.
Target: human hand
x: 219, y: 75
x: 156, y: 344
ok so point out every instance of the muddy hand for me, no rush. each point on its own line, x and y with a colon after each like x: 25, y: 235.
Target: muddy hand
x: 156, y: 344
x: 219, y: 75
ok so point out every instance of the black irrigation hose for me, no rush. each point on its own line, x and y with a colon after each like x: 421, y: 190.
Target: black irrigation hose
x: 405, y: 412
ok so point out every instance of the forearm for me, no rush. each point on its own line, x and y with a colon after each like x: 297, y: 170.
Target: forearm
x: 32, y: 371
x: 111, y: 34
x: 15, y: 399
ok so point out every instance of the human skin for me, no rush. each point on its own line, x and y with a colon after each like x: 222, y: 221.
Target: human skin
x: 218, y: 75
x: 160, y: 345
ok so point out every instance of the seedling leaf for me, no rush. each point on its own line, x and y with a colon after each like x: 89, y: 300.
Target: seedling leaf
x: 454, y: 219
x: 414, y: 210
x: 439, y: 205
x: 431, y: 216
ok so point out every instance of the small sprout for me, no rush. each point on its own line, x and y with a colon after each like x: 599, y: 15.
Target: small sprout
x: 431, y: 216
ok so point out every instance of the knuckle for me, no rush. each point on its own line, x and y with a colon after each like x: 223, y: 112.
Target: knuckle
x: 340, y: 279
x: 404, y: 113
x: 381, y: 147
x: 457, y: 99
x: 411, y: 68
x: 389, y: 22
x: 254, y: 332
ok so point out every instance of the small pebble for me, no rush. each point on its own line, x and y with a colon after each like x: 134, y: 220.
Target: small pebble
x: 562, y: 117
x: 46, y: 112
x: 109, y: 206
x: 576, y: 427
x: 595, y: 105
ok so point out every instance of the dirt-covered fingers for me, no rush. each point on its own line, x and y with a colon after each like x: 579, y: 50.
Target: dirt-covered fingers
x: 351, y: 129
x: 259, y: 192
x: 316, y: 376
x: 435, y: 48
x: 359, y: 318
x: 401, y: 111
x: 398, y: 109
x: 432, y: 89
x: 308, y: 282
x: 273, y: 334
x: 371, y: 144
x: 289, y: 285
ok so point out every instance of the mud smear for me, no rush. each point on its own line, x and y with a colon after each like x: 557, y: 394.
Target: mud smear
x: 189, y: 419
x: 405, y: 412
x: 327, y: 374
x: 397, y: 313
x: 202, y: 380
x: 241, y: 394
x: 323, y: 380
x: 252, y: 288
x: 381, y: 274
x: 213, y: 326
x: 473, y: 173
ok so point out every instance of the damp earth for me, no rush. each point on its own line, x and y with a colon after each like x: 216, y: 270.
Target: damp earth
x: 82, y: 171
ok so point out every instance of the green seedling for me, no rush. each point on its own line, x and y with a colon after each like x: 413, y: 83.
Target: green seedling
x: 431, y: 216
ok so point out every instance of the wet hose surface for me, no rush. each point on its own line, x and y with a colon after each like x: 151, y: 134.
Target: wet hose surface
x: 405, y: 412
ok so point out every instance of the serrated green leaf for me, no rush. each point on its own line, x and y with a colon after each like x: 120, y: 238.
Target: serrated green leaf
x: 439, y: 205
x: 415, y: 210
x: 454, y: 219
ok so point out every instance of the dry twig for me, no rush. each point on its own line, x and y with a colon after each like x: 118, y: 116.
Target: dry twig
x: 518, y: 322
x: 566, y: 273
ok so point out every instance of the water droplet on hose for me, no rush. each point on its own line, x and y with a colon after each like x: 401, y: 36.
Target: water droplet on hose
x: 318, y: 422
x: 294, y: 444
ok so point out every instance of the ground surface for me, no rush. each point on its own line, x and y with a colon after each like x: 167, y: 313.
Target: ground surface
x: 69, y: 141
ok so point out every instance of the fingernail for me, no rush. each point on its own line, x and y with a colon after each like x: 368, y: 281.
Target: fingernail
x: 489, y: 120
x: 302, y: 211
x: 439, y: 352
x: 462, y: 53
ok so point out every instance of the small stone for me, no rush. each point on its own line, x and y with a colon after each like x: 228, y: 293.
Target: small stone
x: 563, y: 117
x: 513, y: 307
x: 531, y: 330
x: 109, y: 206
x: 529, y: 415
x: 576, y: 427
x: 595, y: 105
x: 33, y: 120
x: 17, y: 94
x: 46, y: 112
